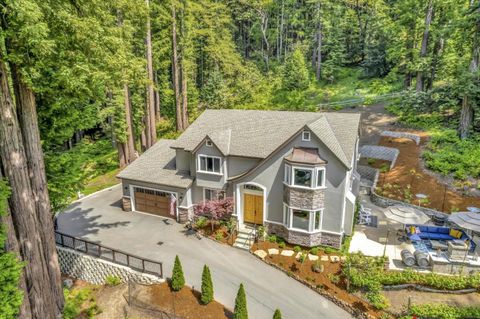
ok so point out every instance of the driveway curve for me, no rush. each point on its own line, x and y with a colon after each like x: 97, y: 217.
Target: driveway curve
x: 99, y: 218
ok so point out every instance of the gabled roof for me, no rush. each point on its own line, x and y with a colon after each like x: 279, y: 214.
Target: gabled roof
x: 157, y: 166
x: 254, y: 133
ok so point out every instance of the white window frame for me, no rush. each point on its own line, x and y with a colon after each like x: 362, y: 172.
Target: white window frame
x: 290, y: 179
x: 220, y: 172
x: 307, y: 137
x: 287, y: 174
x: 288, y: 219
x: 317, y: 171
x: 312, y: 180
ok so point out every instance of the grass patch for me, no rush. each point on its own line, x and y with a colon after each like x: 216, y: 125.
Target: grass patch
x: 100, y: 182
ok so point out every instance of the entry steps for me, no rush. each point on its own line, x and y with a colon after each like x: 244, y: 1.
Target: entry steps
x: 245, y: 237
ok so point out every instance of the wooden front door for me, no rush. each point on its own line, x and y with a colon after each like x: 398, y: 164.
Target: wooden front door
x: 253, y: 209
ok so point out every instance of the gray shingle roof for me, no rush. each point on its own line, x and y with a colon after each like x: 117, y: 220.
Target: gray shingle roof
x: 157, y: 166
x: 253, y: 133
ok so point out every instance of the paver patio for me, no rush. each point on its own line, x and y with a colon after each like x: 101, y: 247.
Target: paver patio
x: 99, y: 218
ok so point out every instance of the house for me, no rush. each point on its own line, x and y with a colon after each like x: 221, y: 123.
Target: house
x: 293, y: 172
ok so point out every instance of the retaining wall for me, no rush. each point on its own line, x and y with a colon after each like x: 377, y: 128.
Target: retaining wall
x: 380, y: 152
x: 95, y: 270
x: 413, y: 137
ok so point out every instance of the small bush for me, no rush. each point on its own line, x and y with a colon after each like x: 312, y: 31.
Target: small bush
x: 219, y: 235
x: 314, y: 251
x: 371, y: 161
x: 201, y: 222
x: 377, y: 300
x: 207, y: 286
x: 78, y: 302
x: 240, y: 311
x: 178, y: 279
x: 334, y: 278
x: 272, y: 238
x: 112, y: 280
x: 317, y: 267
x: 297, y: 249
x: 277, y: 314
x: 281, y: 245
x: 302, y: 258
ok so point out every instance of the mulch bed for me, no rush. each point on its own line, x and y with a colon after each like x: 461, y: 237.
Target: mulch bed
x: 408, y: 172
x: 225, y: 239
x: 321, y: 282
x: 186, y: 303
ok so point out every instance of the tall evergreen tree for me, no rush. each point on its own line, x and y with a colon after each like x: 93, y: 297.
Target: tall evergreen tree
x: 295, y: 75
x: 207, y: 286
x: 178, y: 279
x: 240, y: 311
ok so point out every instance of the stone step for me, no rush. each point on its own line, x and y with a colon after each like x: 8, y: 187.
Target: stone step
x: 241, y: 245
x: 245, y: 236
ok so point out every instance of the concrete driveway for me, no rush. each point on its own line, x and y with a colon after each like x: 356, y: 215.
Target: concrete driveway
x: 99, y: 218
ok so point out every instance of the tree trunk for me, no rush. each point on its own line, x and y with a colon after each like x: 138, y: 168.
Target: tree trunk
x: 183, y: 69
x: 467, y: 111
x: 27, y: 116
x: 282, y: 23
x: 318, y: 70
x: 150, y: 91
x: 12, y: 245
x: 130, y: 145
x: 264, y: 28
x: 28, y: 226
x: 175, y: 72
x: 158, y: 114
x: 437, y: 52
x: 423, y: 48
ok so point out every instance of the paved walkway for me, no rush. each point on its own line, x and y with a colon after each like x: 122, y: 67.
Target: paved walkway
x: 99, y: 218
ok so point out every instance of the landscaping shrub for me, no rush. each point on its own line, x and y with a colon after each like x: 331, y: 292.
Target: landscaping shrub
x: 281, y: 245
x: 272, y: 239
x: 297, y: 249
x: 314, y: 251
x: 368, y: 273
x: 447, y: 154
x: 112, y: 280
x: 443, y: 311
x: 80, y: 302
x: 277, y: 314
x: 201, y: 222
x: 219, y: 235
x: 207, y: 286
x: 240, y: 310
x: 178, y: 279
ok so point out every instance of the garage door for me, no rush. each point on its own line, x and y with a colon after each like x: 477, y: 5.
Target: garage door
x: 151, y: 201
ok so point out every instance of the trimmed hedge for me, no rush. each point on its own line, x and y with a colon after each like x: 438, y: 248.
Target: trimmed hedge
x: 442, y: 311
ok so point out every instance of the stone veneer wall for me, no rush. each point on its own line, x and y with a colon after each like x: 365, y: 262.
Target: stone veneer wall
x: 95, y: 270
x: 126, y: 204
x: 304, y: 239
x: 184, y: 214
x: 304, y: 198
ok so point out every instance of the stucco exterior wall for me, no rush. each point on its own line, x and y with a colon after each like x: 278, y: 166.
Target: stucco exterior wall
x: 239, y: 165
x: 270, y: 175
x: 182, y: 160
x: 210, y: 180
x: 349, y: 212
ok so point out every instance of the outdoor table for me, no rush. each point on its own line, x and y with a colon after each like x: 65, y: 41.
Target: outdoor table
x: 436, y: 244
